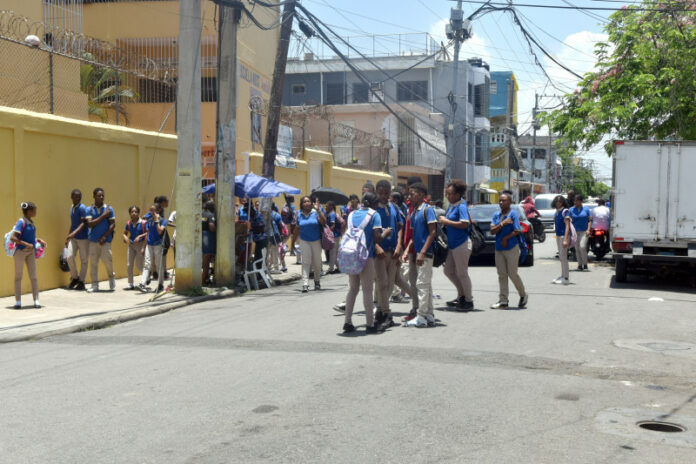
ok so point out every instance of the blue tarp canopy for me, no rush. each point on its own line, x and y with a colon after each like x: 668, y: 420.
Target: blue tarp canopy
x: 254, y: 186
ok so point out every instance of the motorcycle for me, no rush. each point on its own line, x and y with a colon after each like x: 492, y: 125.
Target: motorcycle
x: 538, y: 227
x: 598, y: 243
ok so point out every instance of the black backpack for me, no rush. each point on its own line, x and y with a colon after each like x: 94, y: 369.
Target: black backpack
x: 478, y: 242
x: 440, y: 244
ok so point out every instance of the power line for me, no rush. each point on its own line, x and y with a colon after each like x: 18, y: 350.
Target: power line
x: 579, y: 8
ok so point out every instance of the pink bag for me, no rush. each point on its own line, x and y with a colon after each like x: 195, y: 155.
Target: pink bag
x: 327, y: 238
x: 573, y: 233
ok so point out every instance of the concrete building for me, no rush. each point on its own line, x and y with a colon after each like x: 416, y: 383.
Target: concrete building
x: 505, y: 163
x: 540, y: 165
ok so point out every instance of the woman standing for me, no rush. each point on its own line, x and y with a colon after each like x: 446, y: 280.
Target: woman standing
x: 456, y: 267
x: 582, y: 221
x: 209, y: 239
x: 506, y: 228
x: 310, y: 221
x: 562, y: 222
x: 24, y: 236
x: 335, y: 225
x: 134, y: 236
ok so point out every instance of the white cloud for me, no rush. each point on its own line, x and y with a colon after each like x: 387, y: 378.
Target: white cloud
x: 576, y: 53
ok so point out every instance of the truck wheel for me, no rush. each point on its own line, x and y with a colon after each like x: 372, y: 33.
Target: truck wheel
x: 621, y: 271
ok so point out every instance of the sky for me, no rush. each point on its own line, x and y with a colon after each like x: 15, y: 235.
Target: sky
x: 569, y: 35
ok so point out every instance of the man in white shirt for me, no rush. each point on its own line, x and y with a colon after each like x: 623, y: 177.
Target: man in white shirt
x: 601, y: 216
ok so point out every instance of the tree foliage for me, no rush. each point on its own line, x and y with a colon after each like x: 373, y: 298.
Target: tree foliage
x: 643, y: 86
x: 104, y: 87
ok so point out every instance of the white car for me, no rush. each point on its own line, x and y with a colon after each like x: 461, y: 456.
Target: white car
x: 542, y: 202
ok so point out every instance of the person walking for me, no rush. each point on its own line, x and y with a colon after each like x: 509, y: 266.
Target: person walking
x: 456, y: 222
x: 154, y: 259
x: 310, y: 221
x: 24, y: 238
x: 134, y: 236
x: 505, y: 225
x: 423, y: 224
x: 273, y: 260
x: 369, y: 220
x: 208, y: 239
x: 582, y: 221
x: 101, y: 221
x: 77, y: 241
x: 336, y: 225
x: 562, y: 224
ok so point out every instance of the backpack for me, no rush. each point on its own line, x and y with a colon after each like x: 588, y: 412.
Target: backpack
x: 573, y: 234
x: 478, y: 242
x: 328, y: 241
x: 10, y: 246
x: 440, y: 244
x: 143, y: 226
x: 353, y: 252
x: 286, y: 215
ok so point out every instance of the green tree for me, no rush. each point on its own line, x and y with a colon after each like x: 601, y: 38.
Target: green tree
x: 104, y: 86
x: 643, y: 86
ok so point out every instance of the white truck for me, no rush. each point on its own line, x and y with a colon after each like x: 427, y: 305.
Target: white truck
x: 653, y: 224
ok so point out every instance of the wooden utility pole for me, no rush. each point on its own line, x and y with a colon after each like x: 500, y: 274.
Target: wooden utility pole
x: 188, y: 168
x: 225, y: 156
x: 273, y: 121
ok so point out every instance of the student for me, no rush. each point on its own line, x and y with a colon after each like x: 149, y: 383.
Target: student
x: 257, y: 227
x: 310, y: 221
x: 134, y: 236
x: 288, y: 214
x: 163, y: 201
x: 275, y: 242
x: 562, y: 222
x: 101, y: 221
x: 366, y: 279
x: 582, y: 221
x: 456, y: 221
x: 156, y: 227
x: 388, y: 252
x: 505, y: 225
x: 209, y: 240
x: 171, y: 222
x: 24, y: 236
x: 77, y: 241
x: 336, y: 225
x: 424, y: 228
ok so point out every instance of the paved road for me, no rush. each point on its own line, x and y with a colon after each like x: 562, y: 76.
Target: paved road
x: 269, y: 378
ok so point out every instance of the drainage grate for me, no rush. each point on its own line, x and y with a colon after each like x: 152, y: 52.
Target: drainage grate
x: 666, y: 427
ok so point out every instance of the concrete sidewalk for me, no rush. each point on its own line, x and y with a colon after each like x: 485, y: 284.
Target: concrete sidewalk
x: 66, y: 311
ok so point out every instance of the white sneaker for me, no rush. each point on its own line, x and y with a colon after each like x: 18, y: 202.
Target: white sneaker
x: 112, y: 284
x: 93, y: 288
x: 418, y: 321
x: 340, y: 308
x: 561, y: 281
x: 430, y: 319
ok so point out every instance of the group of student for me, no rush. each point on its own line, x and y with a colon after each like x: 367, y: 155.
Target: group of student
x: 90, y: 236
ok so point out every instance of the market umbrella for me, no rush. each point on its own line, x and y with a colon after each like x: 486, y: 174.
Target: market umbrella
x: 329, y: 194
x: 254, y: 186
x: 209, y: 189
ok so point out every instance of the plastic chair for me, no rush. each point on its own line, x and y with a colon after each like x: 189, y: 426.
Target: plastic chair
x: 259, y: 268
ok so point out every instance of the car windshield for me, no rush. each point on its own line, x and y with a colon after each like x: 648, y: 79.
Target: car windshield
x: 483, y: 212
x: 543, y: 203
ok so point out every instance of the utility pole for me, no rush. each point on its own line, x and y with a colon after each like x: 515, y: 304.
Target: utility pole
x: 459, y: 30
x: 188, y: 168
x: 273, y: 122
x: 535, y: 126
x: 225, y: 155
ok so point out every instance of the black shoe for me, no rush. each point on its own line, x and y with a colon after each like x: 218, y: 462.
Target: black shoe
x: 305, y: 288
x: 80, y: 285
x: 149, y: 279
x: 388, y: 322
x: 465, y: 305
x: 73, y: 283
x: 17, y: 306
x: 317, y: 285
x: 380, y: 317
x: 155, y: 275
x: 585, y: 267
x: 523, y: 302
x: 160, y: 288
x: 371, y: 329
x: 454, y: 302
x: 348, y: 328
x: 37, y: 306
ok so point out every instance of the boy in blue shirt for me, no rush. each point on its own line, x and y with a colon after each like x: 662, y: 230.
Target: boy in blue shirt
x: 77, y: 241
x: 419, y: 252
x: 101, y: 221
x: 156, y: 226
x: 505, y: 225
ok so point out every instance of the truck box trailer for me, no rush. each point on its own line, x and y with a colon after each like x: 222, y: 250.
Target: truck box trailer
x: 653, y: 215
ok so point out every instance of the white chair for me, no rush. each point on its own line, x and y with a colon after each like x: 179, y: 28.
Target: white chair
x: 258, y: 267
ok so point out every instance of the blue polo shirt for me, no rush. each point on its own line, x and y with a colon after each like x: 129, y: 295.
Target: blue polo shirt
x: 153, y: 235
x: 390, y: 217
x: 135, y: 230
x: 506, y: 230
x: 27, y: 232
x: 457, y: 212
x: 332, y: 218
x: 96, y: 232
x: 419, y: 226
x: 375, y: 223
x: 310, y: 230
x: 559, y: 221
x: 580, y: 218
x: 77, y: 214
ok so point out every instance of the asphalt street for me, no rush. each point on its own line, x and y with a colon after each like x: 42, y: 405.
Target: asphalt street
x: 268, y: 377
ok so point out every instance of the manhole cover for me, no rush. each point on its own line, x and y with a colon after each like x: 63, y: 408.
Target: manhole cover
x: 666, y: 347
x: 665, y: 427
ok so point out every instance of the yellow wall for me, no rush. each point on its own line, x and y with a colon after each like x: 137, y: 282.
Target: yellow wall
x: 29, y: 8
x: 44, y: 157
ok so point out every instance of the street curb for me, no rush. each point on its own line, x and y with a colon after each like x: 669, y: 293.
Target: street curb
x: 106, y: 320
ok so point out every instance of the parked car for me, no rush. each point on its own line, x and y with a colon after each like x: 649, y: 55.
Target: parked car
x: 482, y: 215
x: 543, y: 205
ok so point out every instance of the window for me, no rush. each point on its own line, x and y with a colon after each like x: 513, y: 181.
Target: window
x: 335, y: 94
x: 540, y: 153
x: 470, y: 93
x: 482, y: 150
x: 360, y: 93
x: 523, y: 153
x: 494, y: 87
x: 298, y: 89
x: 482, y: 99
x: 209, y: 89
x: 412, y: 91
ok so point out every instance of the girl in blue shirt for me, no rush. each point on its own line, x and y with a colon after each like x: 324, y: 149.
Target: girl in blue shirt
x: 134, y: 236
x: 24, y: 237
x: 582, y: 221
x: 562, y: 223
x: 335, y: 225
x: 153, y: 252
x: 310, y: 221
x: 506, y: 228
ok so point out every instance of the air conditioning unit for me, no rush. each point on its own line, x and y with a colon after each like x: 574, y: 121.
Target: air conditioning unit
x: 376, y: 92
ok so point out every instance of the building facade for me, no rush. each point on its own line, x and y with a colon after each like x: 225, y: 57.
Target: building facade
x: 540, y: 165
x: 505, y: 162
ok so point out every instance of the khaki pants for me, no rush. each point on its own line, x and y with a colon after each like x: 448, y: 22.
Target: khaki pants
x: 82, y: 246
x: 401, y: 282
x: 581, y: 247
x: 421, y: 278
x: 135, y: 256
x: 273, y: 256
x: 21, y: 257
x: 457, y: 270
x: 386, y: 274
x: 97, y: 252
x: 333, y: 255
x: 563, y: 256
x: 311, y: 258
x: 506, y: 263
x: 365, y: 281
x: 153, y: 262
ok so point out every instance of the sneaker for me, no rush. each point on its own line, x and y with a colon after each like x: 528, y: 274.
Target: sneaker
x: 388, y: 322
x: 418, y: 321
x: 465, y: 305
x: 93, y: 289
x: 37, y: 306
x: 149, y: 280
x: 585, y: 268
x: 72, y: 284
x: 160, y: 289
x: 17, y: 306
x: 340, y: 308
x: 561, y: 281
x: 348, y: 328
x: 80, y: 285
x: 411, y: 315
x: 431, y: 320
x: 499, y: 305
x: 317, y: 285
x: 579, y: 268
x: 305, y: 288
x: 454, y: 302
x: 523, y: 302
x: 285, y: 269
x: 129, y: 287
x: 112, y: 284
x: 371, y: 329
x: 143, y: 288
x: 397, y: 299
x: 380, y: 317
